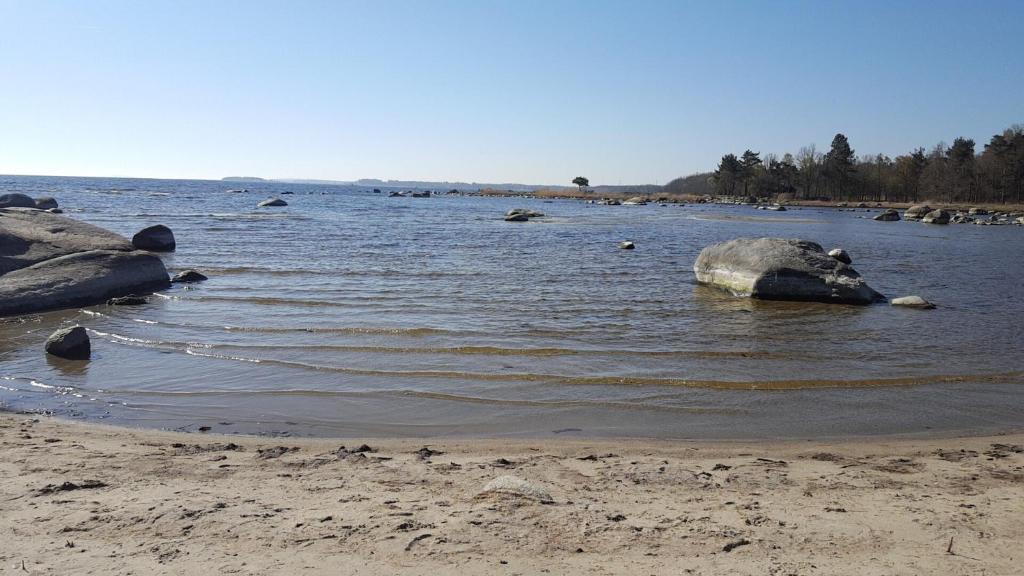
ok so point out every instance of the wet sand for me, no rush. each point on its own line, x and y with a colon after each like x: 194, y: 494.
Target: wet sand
x: 91, y: 499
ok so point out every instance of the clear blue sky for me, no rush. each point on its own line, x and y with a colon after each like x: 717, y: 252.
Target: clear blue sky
x: 525, y: 91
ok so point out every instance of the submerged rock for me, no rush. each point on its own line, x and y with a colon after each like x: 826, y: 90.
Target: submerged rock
x: 626, y: 245
x: 841, y: 255
x: 515, y: 486
x: 272, y: 202
x: 130, y: 300
x: 70, y: 343
x: 158, y: 238
x: 912, y: 302
x: 781, y: 269
x: 888, y: 216
x: 188, y: 276
x: 15, y: 200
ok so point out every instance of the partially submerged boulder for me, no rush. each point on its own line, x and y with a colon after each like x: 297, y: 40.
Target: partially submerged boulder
x: 28, y: 237
x: 16, y: 200
x: 69, y: 343
x: 916, y: 212
x: 912, y: 302
x: 781, y: 269
x: 46, y: 203
x: 272, y: 202
x: 80, y: 279
x: 129, y: 300
x: 627, y: 245
x: 188, y: 276
x: 158, y: 238
x: 888, y: 216
x: 936, y: 217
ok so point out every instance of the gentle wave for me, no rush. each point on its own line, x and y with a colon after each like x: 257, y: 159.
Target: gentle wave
x: 466, y: 350
x: 1008, y: 377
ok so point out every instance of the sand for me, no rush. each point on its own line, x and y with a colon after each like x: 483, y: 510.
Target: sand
x: 89, y: 499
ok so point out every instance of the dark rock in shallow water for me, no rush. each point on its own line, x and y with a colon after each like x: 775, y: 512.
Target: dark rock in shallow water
x: 80, y: 279
x: 15, y: 200
x: 188, y: 276
x: 273, y: 202
x: 130, y: 300
x: 69, y: 343
x: 781, y: 269
x: 46, y: 203
x: 29, y: 237
x: 517, y: 218
x: 158, y: 238
x: 627, y: 245
x: 888, y: 216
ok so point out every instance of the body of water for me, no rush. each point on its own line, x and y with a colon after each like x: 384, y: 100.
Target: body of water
x: 352, y: 313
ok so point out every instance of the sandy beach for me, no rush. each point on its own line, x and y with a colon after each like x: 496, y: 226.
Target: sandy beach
x: 91, y: 499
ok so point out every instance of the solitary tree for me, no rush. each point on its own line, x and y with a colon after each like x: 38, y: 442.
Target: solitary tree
x: 581, y: 181
x: 729, y: 172
x: 840, y: 162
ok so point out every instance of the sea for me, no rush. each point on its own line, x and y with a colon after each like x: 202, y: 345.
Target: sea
x: 353, y: 313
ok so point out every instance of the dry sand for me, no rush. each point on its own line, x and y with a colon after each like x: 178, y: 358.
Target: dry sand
x: 89, y: 499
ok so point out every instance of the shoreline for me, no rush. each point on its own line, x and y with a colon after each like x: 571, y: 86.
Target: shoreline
x: 94, y: 498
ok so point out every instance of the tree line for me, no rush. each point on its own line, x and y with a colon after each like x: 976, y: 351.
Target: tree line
x: 956, y: 173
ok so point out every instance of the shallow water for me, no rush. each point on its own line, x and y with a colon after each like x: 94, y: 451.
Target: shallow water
x: 351, y: 313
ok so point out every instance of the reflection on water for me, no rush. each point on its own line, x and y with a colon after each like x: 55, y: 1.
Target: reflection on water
x: 354, y: 313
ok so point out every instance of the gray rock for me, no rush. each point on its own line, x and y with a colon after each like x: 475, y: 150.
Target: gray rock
x: 28, y: 237
x: 627, y: 245
x: 841, y: 255
x: 158, y: 238
x: 15, y: 200
x: 273, y: 202
x: 70, y: 343
x: 781, y: 269
x: 916, y: 212
x: 55, y: 211
x: 80, y: 279
x: 635, y: 201
x: 517, y: 218
x: 775, y: 208
x: 524, y: 212
x: 46, y: 203
x: 515, y: 486
x: 188, y: 276
x: 912, y: 302
x: 977, y: 212
x: 936, y: 217
x: 888, y: 216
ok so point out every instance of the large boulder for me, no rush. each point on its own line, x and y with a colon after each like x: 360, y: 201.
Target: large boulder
x: 936, y: 217
x: 80, y: 279
x: 781, y: 269
x: 46, y: 203
x: 70, y: 343
x: 28, y: 237
x: 916, y: 212
x: 15, y: 200
x: 888, y: 216
x: 158, y: 238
